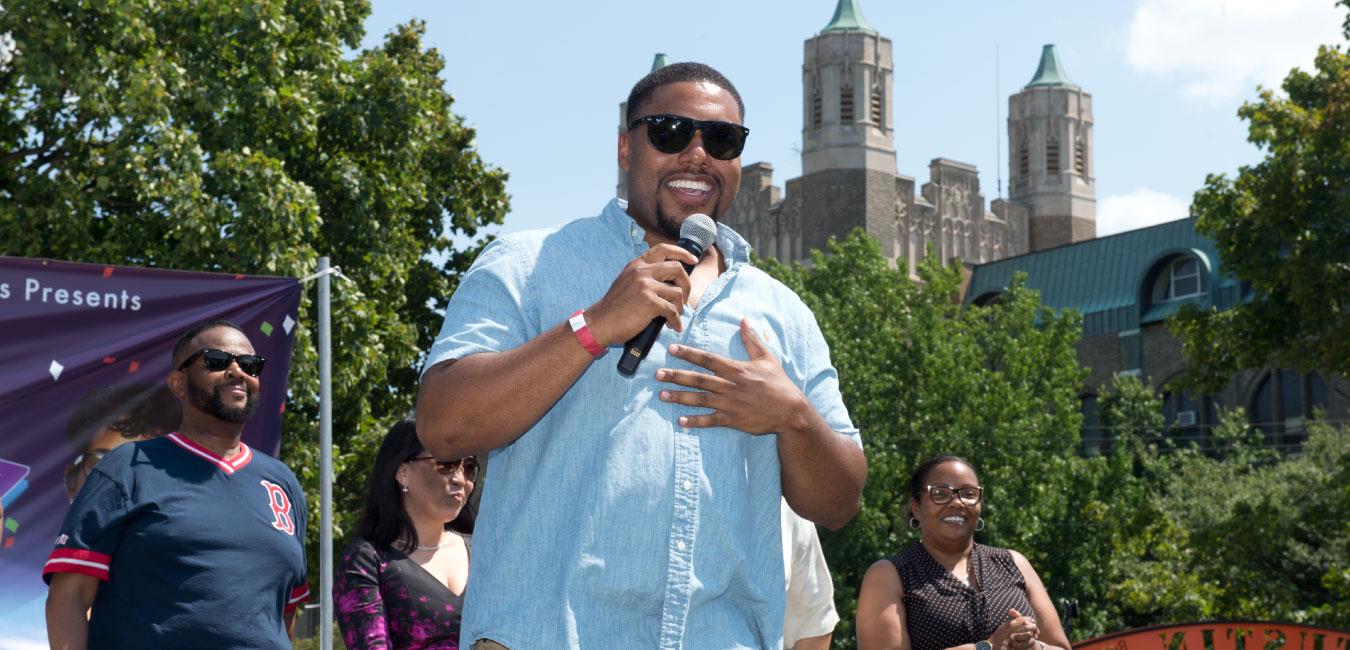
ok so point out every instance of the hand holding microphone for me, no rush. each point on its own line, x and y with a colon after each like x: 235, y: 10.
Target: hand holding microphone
x: 651, y: 291
x: 696, y: 234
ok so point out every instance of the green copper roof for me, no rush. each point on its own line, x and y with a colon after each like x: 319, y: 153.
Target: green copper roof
x: 848, y: 18
x: 1050, y: 73
x: 1108, y: 279
x: 659, y: 61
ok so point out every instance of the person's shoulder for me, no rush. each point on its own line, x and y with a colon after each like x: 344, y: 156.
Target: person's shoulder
x: 1006, y: 557
x: 271, y: 467
x: 882, y: 575
x: 534, y: 239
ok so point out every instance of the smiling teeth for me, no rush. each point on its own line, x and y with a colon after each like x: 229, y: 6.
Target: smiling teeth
x: 690, y: 185
x: 957, y: 520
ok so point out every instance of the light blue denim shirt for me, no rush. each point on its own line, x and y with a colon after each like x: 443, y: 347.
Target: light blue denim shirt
x: 607, y: 525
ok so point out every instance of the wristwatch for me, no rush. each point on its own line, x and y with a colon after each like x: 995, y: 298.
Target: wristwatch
x: 984, y: 645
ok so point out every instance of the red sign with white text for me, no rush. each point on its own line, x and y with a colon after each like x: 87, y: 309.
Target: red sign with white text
x: 1223, y: 635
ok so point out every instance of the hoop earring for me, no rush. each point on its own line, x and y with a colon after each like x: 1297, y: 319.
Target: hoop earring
x: 979, y: 524
x: 913, y: 522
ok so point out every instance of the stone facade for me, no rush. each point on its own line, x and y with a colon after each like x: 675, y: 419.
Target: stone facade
x: 849, y: 178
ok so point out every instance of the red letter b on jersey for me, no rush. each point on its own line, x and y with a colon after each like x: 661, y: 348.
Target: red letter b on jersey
x: 281, y: 508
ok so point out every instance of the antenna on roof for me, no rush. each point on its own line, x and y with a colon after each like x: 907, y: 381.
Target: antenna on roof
x: 998, y: 117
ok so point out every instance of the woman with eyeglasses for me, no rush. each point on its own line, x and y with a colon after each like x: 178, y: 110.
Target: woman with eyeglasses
x: 401, y: 583
x: 946, y: 591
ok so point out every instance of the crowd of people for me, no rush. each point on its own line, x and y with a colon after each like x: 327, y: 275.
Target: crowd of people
x: 673, y: 508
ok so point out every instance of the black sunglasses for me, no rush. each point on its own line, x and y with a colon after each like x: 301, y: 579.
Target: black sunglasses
x: 672, y: 133
x: 217, y: 360
x: 448, y: 467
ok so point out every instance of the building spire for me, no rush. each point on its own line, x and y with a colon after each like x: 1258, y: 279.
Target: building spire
x: 659, y: 61
x: 848, y: 18
x: 1050, y: 73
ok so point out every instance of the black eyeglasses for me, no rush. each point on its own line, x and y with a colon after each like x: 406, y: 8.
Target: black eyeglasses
x: 672, y: 133
x: 941, y: 494
x: 217, y: 360
x: 449, y: 467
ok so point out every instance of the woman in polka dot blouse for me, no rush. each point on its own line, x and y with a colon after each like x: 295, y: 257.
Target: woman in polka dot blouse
x: 946, y: 591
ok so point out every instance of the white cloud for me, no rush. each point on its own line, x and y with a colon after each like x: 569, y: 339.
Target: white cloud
x: 1220, y: 49
x: 1140, y: 208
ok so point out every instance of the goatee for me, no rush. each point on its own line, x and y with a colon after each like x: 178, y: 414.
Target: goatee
x: 212, y: 404
x: 669, y: 227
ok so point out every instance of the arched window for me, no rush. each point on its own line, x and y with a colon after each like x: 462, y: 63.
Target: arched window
x: 1178, y: 278
x: 988, y: 298
x: 1023, y: 163
x: 1052, y: 156
x: 846, y: 104
x: 1183, y: 278
x: 1282, y: 402
x: 1080, y: 157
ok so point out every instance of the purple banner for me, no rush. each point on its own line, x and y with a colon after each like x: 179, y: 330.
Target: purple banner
x: 84, y: 351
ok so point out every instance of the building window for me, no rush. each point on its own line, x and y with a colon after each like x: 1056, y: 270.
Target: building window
x: 1282, y: 402
x: 846, y: 104
x: 1096, y: 441
x: 876, y: 104
x: 817, y: 114
x: 1189, y: 418
x: 1183, y: 279
x: 1023, y: 163
x: 1051, y: 157
x: 1079, y: 157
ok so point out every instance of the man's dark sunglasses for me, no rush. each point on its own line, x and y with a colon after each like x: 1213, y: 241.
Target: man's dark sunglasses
x: 217, y: 360
x: 449, y: 467
x: 673, y: 133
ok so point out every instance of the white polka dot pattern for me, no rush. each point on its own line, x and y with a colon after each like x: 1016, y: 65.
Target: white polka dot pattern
x: 942, y: 612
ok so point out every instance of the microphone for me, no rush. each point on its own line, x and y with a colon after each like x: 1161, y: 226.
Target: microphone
x: 697, y: 233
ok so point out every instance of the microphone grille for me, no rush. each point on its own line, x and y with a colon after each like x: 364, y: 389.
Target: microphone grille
x: 699, y: 228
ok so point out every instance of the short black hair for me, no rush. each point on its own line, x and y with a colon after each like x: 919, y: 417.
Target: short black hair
x: 134, y: 410
x: 186, y: 338
x: 676, y: 73
x: 918, y: 479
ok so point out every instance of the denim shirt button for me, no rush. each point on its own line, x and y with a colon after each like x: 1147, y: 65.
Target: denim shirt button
x: 688, y: 485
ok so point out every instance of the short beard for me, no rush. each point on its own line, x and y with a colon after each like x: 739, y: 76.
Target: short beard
x: 666, y: 224
x: 212, y: 404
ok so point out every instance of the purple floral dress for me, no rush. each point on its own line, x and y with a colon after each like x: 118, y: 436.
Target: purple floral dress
x: 385, y: 601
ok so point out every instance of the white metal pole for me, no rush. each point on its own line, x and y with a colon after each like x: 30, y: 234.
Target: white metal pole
x: 325, y: 460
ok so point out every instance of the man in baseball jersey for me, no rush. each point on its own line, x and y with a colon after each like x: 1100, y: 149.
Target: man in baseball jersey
x: 190, y: 540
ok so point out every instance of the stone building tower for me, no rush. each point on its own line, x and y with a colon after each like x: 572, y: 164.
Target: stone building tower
x: 1050, y: 156
x: 848, y: 136
x: 621, y: 188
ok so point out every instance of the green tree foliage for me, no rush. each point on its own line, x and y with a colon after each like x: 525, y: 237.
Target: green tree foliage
x: 1141, y: 532
x: 922, y: 375
x: 1283, y: 225
x: 236, y: 136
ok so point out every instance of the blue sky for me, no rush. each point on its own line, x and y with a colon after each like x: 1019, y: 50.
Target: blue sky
x: 541, y: 83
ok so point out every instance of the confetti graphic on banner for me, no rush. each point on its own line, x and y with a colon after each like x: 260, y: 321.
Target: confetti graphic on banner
x: 266, y: 328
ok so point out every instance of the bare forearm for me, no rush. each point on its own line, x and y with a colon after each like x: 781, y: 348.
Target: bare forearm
x: 487, y: 400
x: 67, y: 625
x: 821, y: 642
x: 822, y: 471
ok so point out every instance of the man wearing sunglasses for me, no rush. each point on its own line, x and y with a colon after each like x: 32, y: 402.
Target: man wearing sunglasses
x: 642, y: 511
x: 190, y: 539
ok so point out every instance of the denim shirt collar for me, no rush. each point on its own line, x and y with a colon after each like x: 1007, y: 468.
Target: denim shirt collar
x: 735, y: 250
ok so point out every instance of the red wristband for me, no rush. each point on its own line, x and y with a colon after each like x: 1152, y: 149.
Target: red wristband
x: 578, y: 323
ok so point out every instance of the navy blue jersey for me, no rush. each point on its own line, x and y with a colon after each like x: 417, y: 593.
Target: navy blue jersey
x: 194, y: 551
